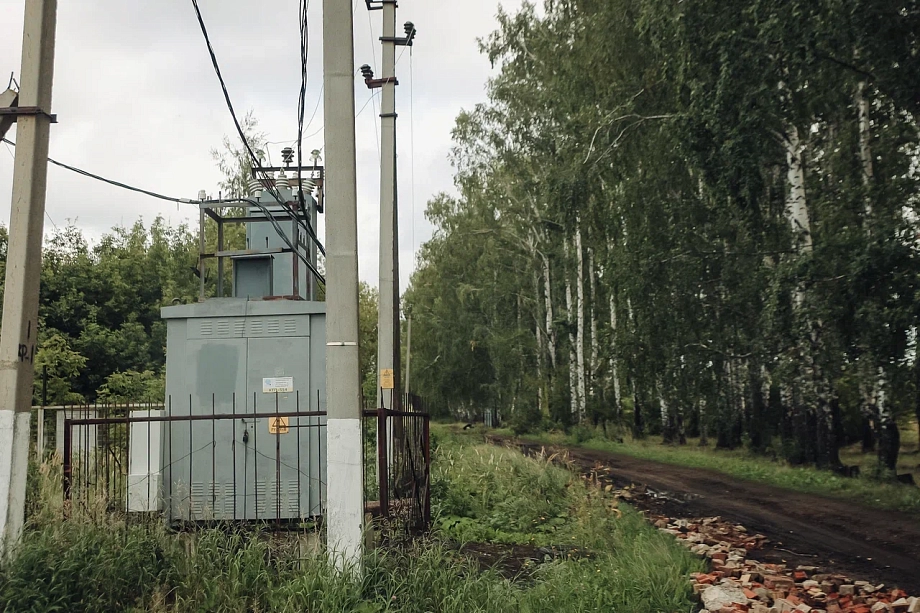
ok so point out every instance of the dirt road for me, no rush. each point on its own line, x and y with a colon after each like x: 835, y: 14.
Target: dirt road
x: 870, y: 544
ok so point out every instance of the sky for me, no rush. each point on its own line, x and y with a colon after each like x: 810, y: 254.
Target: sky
x: 137, y: 101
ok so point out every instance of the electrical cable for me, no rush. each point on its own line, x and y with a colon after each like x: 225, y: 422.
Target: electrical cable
x: 115, y: 183
x: 374, y: 92
x: 254, y: 203
x: 12, y: 155
x: 370, y: 32
x: 301, y: 107
x: 253, y: 158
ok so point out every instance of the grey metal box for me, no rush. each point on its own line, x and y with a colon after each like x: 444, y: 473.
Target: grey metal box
x: 219, y: 353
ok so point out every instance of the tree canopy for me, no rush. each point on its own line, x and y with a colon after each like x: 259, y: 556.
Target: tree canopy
x: 693, y: 217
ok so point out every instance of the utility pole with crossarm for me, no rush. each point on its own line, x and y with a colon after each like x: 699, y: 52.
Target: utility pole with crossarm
x: 19, y: 336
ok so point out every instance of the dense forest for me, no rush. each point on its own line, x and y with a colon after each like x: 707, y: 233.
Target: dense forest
x: 685, y: 218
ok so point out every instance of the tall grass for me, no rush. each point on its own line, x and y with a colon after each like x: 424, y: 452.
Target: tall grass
x: 89, y: 564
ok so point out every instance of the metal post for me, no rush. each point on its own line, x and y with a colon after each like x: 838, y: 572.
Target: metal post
x: 426, y: 438
x: 408, y: 357
x: 345, y: 504
x: 388, y: 353
x: 40, y: 426
x: 383, y: 465
x: 68, y: 458
x: 201, y: 249
x: 20, y: 300
x: 220, y: 260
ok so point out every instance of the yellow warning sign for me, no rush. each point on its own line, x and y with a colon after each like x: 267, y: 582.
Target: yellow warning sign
x: 278, y: 425
x: 386, y: 378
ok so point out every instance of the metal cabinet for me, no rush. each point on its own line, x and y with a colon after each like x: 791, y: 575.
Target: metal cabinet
x: 251, y: 366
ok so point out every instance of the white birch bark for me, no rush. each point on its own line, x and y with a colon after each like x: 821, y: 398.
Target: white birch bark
x: 548, y: 297
x: 865, y: 139
x: 876, y: 391
x: 541, y: 355
x: 580, y: 342
x: 614, y: 375
x: 592, y: 279
x: 796, y: 203
x: 569, y: 316
x: 665, y: 417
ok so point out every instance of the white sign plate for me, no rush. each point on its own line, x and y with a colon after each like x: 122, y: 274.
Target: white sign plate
x: 271, y: 385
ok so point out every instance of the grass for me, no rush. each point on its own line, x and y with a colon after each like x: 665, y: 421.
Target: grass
x: 85, y: 564
x: 743, y: 464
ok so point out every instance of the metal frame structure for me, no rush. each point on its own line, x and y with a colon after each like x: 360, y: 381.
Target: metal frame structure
x: 212, y: 210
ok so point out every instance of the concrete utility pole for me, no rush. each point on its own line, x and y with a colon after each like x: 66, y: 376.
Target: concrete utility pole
x: 345, y: 494
x: 23, y: 265
x: 388, y: 352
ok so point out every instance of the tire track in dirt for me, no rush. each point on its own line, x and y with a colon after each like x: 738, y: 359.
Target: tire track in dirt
x: 882, y: 546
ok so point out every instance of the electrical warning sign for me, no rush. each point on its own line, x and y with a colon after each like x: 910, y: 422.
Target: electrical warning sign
x: 278, y: 425
x: 386, y: 378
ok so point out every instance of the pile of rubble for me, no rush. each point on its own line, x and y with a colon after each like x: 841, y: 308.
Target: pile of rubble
x: 739, y: 584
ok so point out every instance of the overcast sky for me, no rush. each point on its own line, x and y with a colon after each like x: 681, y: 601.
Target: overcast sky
x: 138, y: 101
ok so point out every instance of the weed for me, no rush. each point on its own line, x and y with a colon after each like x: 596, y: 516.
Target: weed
x: 93, y: 562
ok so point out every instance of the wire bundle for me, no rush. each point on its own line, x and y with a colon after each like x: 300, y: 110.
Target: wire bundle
x: 254, y: 160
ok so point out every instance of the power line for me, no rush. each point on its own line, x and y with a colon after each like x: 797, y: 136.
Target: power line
x: 223, y: 85
x: 301, y: 104
x: 85, y: 173
x: 12, y: 155
x: 371, y: 97
x: 253, y: 158
x: 370, y: 32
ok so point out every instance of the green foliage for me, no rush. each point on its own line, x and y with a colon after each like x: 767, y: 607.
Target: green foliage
x: 233, y: 159
x: 615, y: 560
x: 622, y: 227
x: 367, y: 348
x: 133, y: 386
x: 56, y: 365
x: 487, y: 493
x: 99, y: 309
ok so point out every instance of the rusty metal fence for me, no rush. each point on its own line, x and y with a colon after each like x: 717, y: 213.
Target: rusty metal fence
x: 402, y: 467
x: 184, y: 463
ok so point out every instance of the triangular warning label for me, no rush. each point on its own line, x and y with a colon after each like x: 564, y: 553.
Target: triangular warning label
x: 278, y: 425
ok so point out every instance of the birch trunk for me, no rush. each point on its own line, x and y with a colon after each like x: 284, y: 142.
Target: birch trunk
x: 796, y: 203
x: 889, y: 438
x: 592, y: 279
x: 865, y: 139
x: 704, y: 435
x: 580, y: 342
x: 550, y: 328
x: 614, y: 374
x: 540, y: 334
x: 569, y: 308
x: 666, y: 434
x: 813, y: 384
